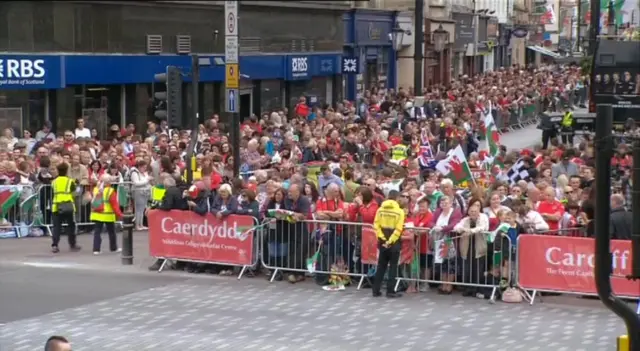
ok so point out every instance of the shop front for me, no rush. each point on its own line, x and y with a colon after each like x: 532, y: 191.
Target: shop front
x: 463, y: 39
x: 368, y: 37
x: 118, y: 89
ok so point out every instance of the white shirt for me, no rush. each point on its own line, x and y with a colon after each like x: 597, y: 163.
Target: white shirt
x: 83, y: 133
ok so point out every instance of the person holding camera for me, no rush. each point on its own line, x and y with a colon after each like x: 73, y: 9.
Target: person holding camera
x: 63, y: 208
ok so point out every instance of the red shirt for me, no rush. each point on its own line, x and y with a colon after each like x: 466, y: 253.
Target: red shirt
x: 422, y: 220
x: 395, y: 140
x: 551, y: 208
x: 302, y: 110
x: 329, y: 205
x: 367, y: 212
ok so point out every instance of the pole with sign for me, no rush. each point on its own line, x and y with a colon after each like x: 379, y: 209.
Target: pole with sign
x: 232, y: 77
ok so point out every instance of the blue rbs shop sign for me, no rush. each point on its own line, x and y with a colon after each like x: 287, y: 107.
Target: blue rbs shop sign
x: 31, y: 72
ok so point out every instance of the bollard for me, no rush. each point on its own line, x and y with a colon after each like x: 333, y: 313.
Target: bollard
x: 127, y: 239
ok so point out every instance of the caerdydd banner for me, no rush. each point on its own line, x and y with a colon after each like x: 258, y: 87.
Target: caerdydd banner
x: 189, y: 236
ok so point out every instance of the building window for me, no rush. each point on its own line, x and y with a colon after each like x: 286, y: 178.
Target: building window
x: 316, y: 87
x: 20, y: 109
x: 271, y: 91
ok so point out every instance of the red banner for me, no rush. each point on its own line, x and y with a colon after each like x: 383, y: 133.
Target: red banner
x: 369, y: 248
x: 566, y: 264
x: 189, y: 236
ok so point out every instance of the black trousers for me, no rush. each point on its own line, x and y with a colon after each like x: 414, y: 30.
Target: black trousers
x: 547, y: 135
x: 97, y: 235
x: 58, y: 220
x: 387, y: 257
x: 567, y: 137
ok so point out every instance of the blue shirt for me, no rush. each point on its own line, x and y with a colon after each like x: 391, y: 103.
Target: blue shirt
x: 324, y: 182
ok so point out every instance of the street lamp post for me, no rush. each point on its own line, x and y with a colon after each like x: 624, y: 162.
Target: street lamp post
x: 440, y: 40
x: 396, y: 36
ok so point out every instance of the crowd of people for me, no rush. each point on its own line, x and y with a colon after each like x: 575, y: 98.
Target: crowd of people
x: 358, y: 148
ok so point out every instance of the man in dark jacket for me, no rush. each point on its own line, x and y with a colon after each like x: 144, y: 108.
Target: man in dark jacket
x: 620, y: 225
x: 173, y: 197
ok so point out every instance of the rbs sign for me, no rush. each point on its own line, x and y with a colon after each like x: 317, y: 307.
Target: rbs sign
x: 22, y: 72
x: 299, y: 67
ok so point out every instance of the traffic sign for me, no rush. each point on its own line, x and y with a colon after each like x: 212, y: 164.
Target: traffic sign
x: 231, y: 103
x: 231, y: 49
x: 231, y: 18
x: 232, y: 76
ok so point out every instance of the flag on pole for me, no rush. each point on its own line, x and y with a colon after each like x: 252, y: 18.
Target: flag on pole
x: 502, y: 228
x: 9, y: 197
x: 492, y: 135
x: 455, y: 166
x: 518, y: 172
x: 312, y: 261
x: 425, y: 157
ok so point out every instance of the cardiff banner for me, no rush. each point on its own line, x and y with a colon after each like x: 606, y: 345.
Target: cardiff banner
x: 188, y: 236
x: 566, y: 264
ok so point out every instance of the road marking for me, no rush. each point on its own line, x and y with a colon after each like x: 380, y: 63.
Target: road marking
x: 50, y: 264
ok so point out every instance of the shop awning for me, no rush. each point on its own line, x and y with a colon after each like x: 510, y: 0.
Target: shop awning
x: 544, y: 51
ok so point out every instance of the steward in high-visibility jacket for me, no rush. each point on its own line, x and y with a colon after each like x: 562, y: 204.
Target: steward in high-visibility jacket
x: 388, y: 225
x: 105, y: 209
x: 157, y: 194
x: 567, y: 127
x: 401, y: 152
x: 63, y: 208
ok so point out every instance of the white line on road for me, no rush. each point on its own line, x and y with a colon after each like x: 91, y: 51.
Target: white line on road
x: 51, y: 264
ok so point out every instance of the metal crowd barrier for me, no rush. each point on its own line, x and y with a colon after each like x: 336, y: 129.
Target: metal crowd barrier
x: 334, y: 244
x: 44, y: 195
x: 580, y: 232
x: 327, y: 250
x: 19, y: 212
x: 479, y: 267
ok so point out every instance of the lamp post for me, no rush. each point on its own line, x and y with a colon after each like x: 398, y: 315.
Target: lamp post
x: 440, y: 40
x: 395, y: 37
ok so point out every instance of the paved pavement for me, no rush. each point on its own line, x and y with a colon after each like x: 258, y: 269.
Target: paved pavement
x: 101, y: 305
x: 256, y: 315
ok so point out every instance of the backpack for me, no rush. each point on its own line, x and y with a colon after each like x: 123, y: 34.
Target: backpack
x: 97, y: 204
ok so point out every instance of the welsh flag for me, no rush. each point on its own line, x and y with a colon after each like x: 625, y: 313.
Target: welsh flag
x: 492, y: 135
x: 455, y: 166
x: 444, y: 249
x: 9, y: 197
x: 502, y: 228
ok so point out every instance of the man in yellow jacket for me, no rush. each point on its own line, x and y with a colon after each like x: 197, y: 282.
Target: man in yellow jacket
x: 388, y: 224
x: 63, y: 208
x: 105, y: 209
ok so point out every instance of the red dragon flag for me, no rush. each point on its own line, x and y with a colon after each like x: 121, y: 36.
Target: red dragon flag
x: 455, y: 166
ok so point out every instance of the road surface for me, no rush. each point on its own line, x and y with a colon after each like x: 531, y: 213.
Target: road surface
x: 526, y: 137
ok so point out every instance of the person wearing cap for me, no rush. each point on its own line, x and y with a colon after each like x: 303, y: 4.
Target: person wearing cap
x: 388, y: 225
x: 104, y: 211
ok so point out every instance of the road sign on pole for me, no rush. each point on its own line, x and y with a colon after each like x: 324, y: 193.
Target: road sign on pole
x: 231, y: 18
x: 231, y: 102
x: 232, y: 76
